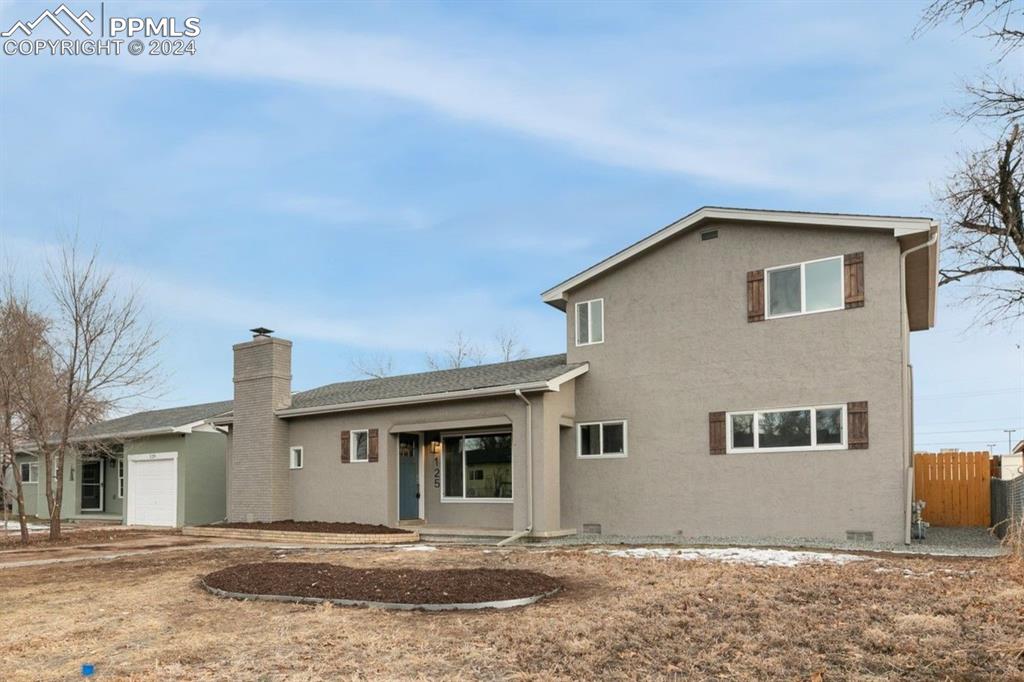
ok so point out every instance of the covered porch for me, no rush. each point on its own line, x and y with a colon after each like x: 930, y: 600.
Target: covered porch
x: 486, y: 478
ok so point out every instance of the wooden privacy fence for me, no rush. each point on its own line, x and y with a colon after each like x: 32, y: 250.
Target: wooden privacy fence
x: 955, y: 487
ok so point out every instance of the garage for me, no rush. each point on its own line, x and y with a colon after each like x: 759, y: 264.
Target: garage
x: 152, y: 490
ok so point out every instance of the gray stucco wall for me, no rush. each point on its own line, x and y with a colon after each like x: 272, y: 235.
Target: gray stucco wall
x: 678, y: 346
x: 327, y: 490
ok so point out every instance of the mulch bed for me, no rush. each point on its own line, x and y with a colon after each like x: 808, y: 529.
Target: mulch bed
x: 314, y: 527
x: 394, y: 585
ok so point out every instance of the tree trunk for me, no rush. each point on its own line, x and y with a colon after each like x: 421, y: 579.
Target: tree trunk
x: 19, y: 492
x: 55, y: 498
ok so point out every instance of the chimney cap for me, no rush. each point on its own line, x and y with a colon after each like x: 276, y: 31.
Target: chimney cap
x: 261, y: 331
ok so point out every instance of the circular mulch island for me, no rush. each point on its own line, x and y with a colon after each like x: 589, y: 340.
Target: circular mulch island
x: 390, y: 588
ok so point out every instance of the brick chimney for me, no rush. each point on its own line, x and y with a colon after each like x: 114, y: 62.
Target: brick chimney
x: 258, y: 484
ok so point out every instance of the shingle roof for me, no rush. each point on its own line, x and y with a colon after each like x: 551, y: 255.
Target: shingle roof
x: 155, y: 419
x: 404, y: 386
x: 441, y: 381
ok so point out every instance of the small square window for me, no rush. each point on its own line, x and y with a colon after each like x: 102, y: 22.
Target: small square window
x: 295, y: 457
x: 29, y: 473
x: 601, y: 439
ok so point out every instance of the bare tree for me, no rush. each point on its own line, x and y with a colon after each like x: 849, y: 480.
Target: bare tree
x: 102, y: 354
x: 375, y: 366
x: 509, y: 346
x: 984, y: 244
x: 461, y: 352
x: 985, y: 240
x: 23, y: 351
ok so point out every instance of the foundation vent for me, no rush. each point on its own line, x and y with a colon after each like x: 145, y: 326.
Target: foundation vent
x: 591, y: 528
x: 860, y: 536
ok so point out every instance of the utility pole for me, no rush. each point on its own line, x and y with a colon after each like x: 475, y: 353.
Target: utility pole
x: 1009, y: 440
x: 991, y: 448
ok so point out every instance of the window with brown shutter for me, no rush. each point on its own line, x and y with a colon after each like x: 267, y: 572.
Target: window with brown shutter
x: 373, y: 454
x: 857, y: 425
x: 853, y: 276
x: 346, y: 447
x: 716, y: 432
x: 755, y: 296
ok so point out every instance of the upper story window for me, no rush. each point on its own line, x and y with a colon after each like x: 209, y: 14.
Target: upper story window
x: 798, y: 428
x: 590, y: 322
x: 810, y: 287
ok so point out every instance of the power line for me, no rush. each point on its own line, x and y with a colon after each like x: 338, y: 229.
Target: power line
x: 971, y: 394
x: 931, y: 433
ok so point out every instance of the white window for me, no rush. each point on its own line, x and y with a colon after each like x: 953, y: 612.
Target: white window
x: 601, y: 439
x: 120, y: 479
x: 295, y: 457
x: 360, y: 446
x: 477, y: 467
x: 29, y: 473
x: 590, y: 322
x: 791, y: 428
x: 812, y: 287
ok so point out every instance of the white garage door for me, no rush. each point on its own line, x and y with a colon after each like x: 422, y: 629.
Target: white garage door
x: 152, y: 490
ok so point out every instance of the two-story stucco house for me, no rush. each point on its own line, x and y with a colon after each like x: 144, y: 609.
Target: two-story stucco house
x: 739, y: 373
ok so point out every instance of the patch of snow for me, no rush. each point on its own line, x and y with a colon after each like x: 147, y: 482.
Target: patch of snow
x: 419, y: 548
x: 736, y: 555
x: 13, y: 527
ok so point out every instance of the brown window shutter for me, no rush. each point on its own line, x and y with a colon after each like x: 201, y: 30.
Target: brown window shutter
x: 755, y: 296
x: 373, y: 456
x: 716, y: 432
x: 853, y: 276
x: 346, y: 446
x: 857, y: 425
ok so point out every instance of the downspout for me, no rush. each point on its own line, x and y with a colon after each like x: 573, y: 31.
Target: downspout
x: 529, y: 473
x: 908, y: 456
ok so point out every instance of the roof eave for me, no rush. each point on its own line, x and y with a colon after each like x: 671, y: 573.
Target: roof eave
x: 900, y: 227
x: 553, y: 384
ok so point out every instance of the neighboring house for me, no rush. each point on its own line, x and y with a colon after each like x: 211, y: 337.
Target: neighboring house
x: 720, y: 380
x: 156, y: 468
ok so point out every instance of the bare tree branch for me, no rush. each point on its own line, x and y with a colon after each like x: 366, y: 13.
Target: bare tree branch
x: 374, y: 367
x: 461, y: 352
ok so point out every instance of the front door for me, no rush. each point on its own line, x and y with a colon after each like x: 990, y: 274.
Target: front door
x: 408, y: 476
x: 92, y: 485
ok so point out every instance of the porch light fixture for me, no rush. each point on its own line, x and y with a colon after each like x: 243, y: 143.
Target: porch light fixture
x: 435, y: 447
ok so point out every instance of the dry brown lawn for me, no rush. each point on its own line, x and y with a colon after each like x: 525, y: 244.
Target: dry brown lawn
x: 144, y: 618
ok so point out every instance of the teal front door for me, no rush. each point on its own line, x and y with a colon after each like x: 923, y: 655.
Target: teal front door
x: 408, y: 476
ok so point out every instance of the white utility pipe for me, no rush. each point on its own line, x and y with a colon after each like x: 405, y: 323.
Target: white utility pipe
x: 529, y: 473
x: 908, y: 458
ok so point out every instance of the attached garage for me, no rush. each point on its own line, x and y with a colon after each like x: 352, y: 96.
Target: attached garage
x: 153, y: 490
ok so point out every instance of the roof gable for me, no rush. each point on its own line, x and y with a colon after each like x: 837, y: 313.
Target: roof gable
x: 898, y: 226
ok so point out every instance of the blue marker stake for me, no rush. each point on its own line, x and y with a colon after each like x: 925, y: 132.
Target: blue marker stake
x: 88, y: 670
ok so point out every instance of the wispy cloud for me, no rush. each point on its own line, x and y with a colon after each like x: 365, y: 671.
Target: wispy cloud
x: 740, y: 142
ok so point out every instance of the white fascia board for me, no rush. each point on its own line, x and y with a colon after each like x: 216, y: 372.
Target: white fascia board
x: 898, y: 226
x: 556, y: 383
x: 549, y: 385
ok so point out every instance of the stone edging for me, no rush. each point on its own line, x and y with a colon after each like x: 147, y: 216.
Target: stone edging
x: 303, y: 538
x: 467, y: 606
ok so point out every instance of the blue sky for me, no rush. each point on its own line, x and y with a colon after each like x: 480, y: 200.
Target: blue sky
x: 371, y: 178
